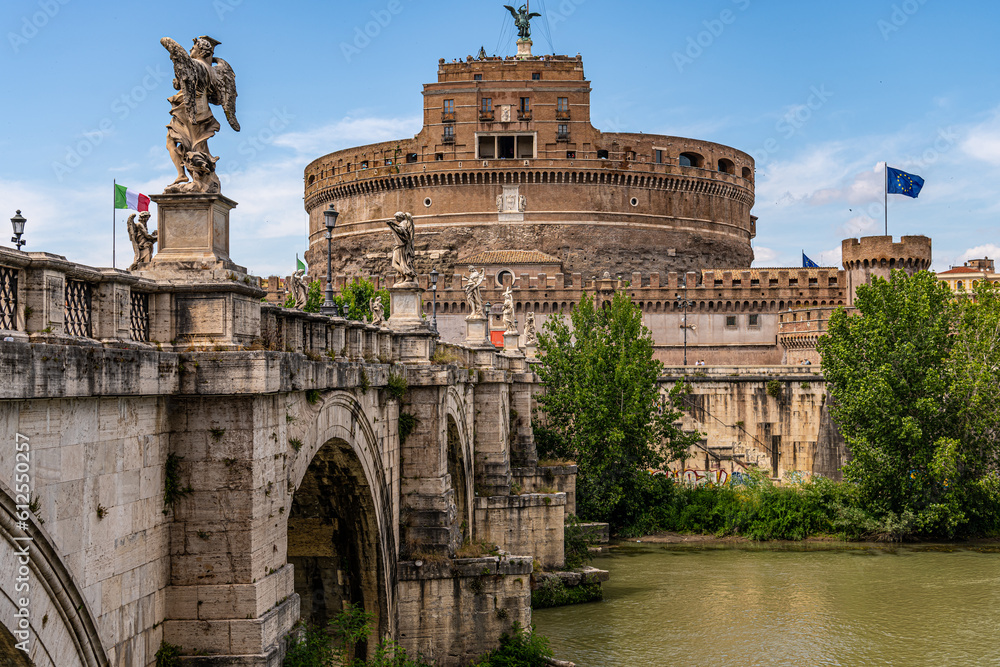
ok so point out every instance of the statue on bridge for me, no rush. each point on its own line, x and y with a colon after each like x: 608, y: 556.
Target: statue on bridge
x: 474, y: 293
x: 509, y: 323
x: 403, y: 254
x: 378, y: 311
x: 530, y: 332
x: 522, y: 19
x: 142, y: 240
x: 202, y: 80
x: 297, y: 288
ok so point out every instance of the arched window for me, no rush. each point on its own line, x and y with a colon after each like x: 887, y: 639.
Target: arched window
x: 727, y: 166
x: 748, y: 173
x: 691, y: 160
x: 961, y: 286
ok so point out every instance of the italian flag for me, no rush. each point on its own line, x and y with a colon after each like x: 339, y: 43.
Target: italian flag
x: 125, y: 198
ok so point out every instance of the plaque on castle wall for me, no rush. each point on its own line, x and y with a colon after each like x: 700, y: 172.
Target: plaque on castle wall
x: 511, y: 204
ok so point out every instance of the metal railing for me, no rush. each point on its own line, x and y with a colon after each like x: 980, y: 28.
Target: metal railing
x: 139, y: 317
x: 78, y: 308
x: 8, y: 298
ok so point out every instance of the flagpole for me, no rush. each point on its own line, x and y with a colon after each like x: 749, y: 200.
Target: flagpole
x: 114, y: 220
x: 885, y: 185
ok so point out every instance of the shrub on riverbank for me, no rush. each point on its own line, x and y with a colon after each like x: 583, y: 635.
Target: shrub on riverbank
x: 761, y: 510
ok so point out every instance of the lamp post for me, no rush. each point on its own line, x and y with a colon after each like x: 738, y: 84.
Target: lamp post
x: 329, y: 308
x: 683, y: 302
x: 17, y: 222
x: 434, y: 306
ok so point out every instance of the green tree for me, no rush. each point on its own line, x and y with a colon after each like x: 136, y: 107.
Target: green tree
x: 314, y: 297
x: 603, y: 407
x: 913, y: 375
x: 357, y: 296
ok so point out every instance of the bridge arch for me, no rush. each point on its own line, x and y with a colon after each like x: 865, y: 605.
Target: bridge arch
x: 340, y: 526
x: 62, y: 630
x: 460, y: 458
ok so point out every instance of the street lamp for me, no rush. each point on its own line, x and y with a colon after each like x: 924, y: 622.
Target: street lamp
x: 434, y: 307
x: 329, y: 308
x: 685, y: 304
x: 18, y: 223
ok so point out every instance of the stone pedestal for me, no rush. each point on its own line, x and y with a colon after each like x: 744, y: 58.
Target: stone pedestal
x: 414, y: 335
x: 531, y: 351
x: 511, y: 347
x: 476, y: 331
x: 194, y: 235
x: 524, y: 48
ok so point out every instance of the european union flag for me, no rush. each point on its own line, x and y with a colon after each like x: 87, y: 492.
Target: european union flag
x: 900, y: 183
x: 808, y: 263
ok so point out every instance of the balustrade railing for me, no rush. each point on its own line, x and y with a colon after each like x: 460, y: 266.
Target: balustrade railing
x: 8, y: 298
x: 79, y: 296
x: 139, y: 317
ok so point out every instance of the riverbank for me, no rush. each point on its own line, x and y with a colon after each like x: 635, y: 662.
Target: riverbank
x: 825, y: 540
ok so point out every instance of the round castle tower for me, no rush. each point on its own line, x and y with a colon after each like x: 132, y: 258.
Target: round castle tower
x: 878, y: 256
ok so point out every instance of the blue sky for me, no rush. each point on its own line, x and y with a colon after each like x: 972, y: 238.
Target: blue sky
x: 818, y: 93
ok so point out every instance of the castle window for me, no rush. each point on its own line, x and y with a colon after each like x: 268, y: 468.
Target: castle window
x: 755, y: 282
x: 487, y: 148
x: 747, y: 173
x: 602, y: 154
x: 439, y: 157
x: 477, y: 77
x: 570, y: 155
x: 562, y: 132
x: 793, y: 281
x: 833, y: 282
x: 737, y: 283
x: 449, y: 134
x: 502, y: 275
x: 773, y: 282
x: 524, y: 110
x: 813, y: 281
x: 411, y: 158
x: 718, y: 282
x: 691, y: 160
x: 448, y: 113
x: 727, y: 166
x: 753, y: 321
x: 364, y: 164
x: 730, y: 321
x: 487, y: 104
x: 536, y: 76
x: 562, y: 104
x: 658, y: 156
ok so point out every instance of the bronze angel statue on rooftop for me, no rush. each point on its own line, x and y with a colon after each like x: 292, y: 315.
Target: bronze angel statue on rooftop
x: 522, y: 19
x: 202, y: 80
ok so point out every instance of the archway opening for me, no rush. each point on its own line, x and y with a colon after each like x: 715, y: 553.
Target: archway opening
x: 10, y: 655
x: 459, y: 480
x: 334, y: 542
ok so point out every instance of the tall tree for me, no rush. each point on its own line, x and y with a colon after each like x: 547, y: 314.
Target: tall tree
x: 603, y: 405
x: 913, y: 375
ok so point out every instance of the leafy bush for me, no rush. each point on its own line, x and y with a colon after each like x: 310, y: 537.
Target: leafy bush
x: 518, y: 648
x: 554, y: 593
x: 576, y: 541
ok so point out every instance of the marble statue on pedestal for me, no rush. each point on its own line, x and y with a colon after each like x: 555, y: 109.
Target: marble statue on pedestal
x: 202, y: 80
x: 474, y: 292
x: 509, y: 323
x: 378, y: 312
x: 142, y: 239
x: 530, y: 332
x: 403, y: 254
x: 297, y: 287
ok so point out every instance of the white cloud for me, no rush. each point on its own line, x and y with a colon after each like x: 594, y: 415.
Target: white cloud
x: 764, y: 256
x: 348, y: 132
x: 983, y: 141
x: 832, y: 257
x: 979, y: 252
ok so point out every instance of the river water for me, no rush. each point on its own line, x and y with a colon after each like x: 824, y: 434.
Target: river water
x: 791, y: 605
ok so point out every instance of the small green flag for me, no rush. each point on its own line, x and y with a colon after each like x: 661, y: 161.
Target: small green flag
x: 299, y: 264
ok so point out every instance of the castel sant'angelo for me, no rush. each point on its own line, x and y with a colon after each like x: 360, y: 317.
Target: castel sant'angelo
x: 509, y: 175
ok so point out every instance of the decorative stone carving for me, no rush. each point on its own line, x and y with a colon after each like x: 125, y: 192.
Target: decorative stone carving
x: 142, y: 240
x: 530, y: 332
x: 403, y: 254
x: 522, y: 204
x: 499, y: 203
x: 505, y: 113
x: 511, y: 204
x: 297, y: 288
x: 474, y: 293
x: 202, y: 80
x: 378, y: 311
x: 509, y: 323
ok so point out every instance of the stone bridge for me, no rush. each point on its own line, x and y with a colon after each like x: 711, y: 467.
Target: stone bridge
x: 185, y: 464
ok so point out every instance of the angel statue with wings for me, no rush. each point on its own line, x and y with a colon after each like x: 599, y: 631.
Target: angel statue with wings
x: 202, y: 80
x: 142, y: 240
x: 522, y: 19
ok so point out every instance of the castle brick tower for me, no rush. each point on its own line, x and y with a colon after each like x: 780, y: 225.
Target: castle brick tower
x: 879, y: 256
